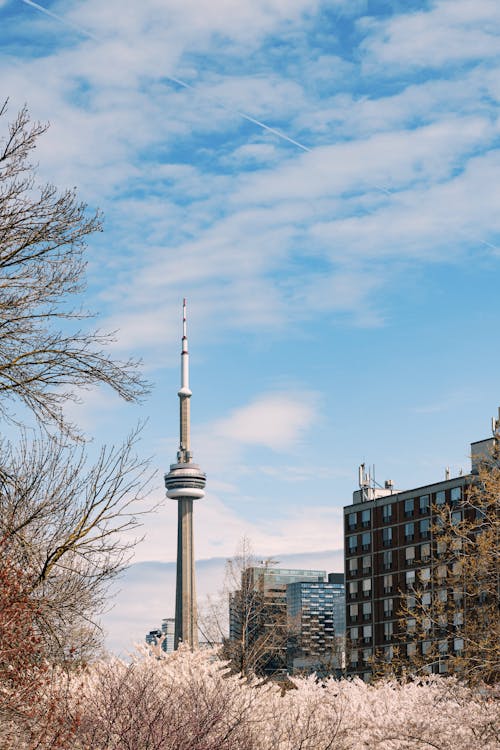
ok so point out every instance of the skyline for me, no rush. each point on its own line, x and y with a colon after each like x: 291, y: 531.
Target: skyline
x: 320, y: 181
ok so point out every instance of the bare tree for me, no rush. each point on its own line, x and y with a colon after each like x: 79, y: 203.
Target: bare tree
x: 451, y: 616
x: 43, y: 359
x: 257, y: 637
x: 70, y: 526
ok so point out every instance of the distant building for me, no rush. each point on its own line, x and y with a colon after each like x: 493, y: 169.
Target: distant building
x: 168, y: 633
x: 165, y: 635
x: 315, y: 613
x: 153, y: 637
x: 389, y: 551
x: 259, y: 616
x: 338, y: 582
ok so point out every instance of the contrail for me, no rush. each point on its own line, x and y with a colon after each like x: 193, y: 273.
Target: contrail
x: 243, y: 115
x: 60, y: 18
x: 185, y: 85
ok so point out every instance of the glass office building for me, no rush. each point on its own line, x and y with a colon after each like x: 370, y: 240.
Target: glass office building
x: 316, y: 613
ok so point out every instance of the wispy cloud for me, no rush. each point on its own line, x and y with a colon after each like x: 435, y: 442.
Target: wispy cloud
x: 273, y: 420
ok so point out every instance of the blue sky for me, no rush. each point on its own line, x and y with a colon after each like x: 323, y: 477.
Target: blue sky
x: 342, y: 279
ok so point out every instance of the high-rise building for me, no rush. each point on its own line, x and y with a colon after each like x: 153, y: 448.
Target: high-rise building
x: 168, y: 634
x: 165, y: 635
x: 185, y: 482
x: 315, y: 624
x: 258, y: 613
x: 389, y: 553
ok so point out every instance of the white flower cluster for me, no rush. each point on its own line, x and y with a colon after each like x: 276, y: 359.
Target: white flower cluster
x: 188, y: 701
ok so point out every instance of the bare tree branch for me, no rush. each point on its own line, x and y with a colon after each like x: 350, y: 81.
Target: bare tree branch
x: 43, y: 361
x: 69, y: 524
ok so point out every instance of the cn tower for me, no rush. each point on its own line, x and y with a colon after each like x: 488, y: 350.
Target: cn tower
x: 185, y: 482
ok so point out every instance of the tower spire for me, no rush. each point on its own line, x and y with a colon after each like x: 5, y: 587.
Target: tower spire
x: 184, y: 454
x: 185, y: 482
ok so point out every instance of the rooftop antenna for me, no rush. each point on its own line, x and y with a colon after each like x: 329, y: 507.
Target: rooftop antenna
x: 495, y: 429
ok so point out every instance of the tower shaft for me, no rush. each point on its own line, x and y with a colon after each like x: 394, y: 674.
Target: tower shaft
x: 186, y: 627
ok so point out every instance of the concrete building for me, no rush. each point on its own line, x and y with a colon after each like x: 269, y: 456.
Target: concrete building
x: 389, y: 551
x: 185, y: 482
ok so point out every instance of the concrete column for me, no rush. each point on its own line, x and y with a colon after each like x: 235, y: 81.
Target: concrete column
x: 186, y: 626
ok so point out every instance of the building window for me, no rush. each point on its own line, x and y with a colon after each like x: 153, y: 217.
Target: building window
x: 425, y: 552
x: 411, y: 601
x: 387, y: 536
x: 387, y: 559
x: 353, y: 589
x: 353, y: 612
x: 354, y: 634
x: 411, y: 625
x: 456, y: 494
x: 365, y: 541
x: 442, y: 622
x: 365, y: 518
x: 409, y: 508
x: 425, y: 576
x: 367, y: 633
x: 458, y: 645
x: 367, y: 564
x: 388, y: 653
x: 388, y: 607
x: 367, y: 587
x: 388, y: 583
x: 441, y: 572
x: 411, y: 649
x: 352, y: 543
x: 367, y: 610
x: 424, y: 503
x: 353, y: 566
x: 458, y: 619
x: 456, y: 568
x: 456, y: 517
x: 410, y: 578
x: 424, y: 528
x: 409, y: 532
x: 410, y: 555
x: 426, y: 647
x: 352, y: 520
x: 367, y: 654
x: 387, y: 513
x: 440, y: 497
x: 442, y: 596
x: 388, y: 630
x: 443, y: 646
x: 354, y: 657
x: 441, y: 547
x: 426, y: 599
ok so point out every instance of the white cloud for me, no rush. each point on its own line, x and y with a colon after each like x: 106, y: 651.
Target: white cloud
x: 275, y: 420
x: 451, y: 31
x: 124, y: 133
